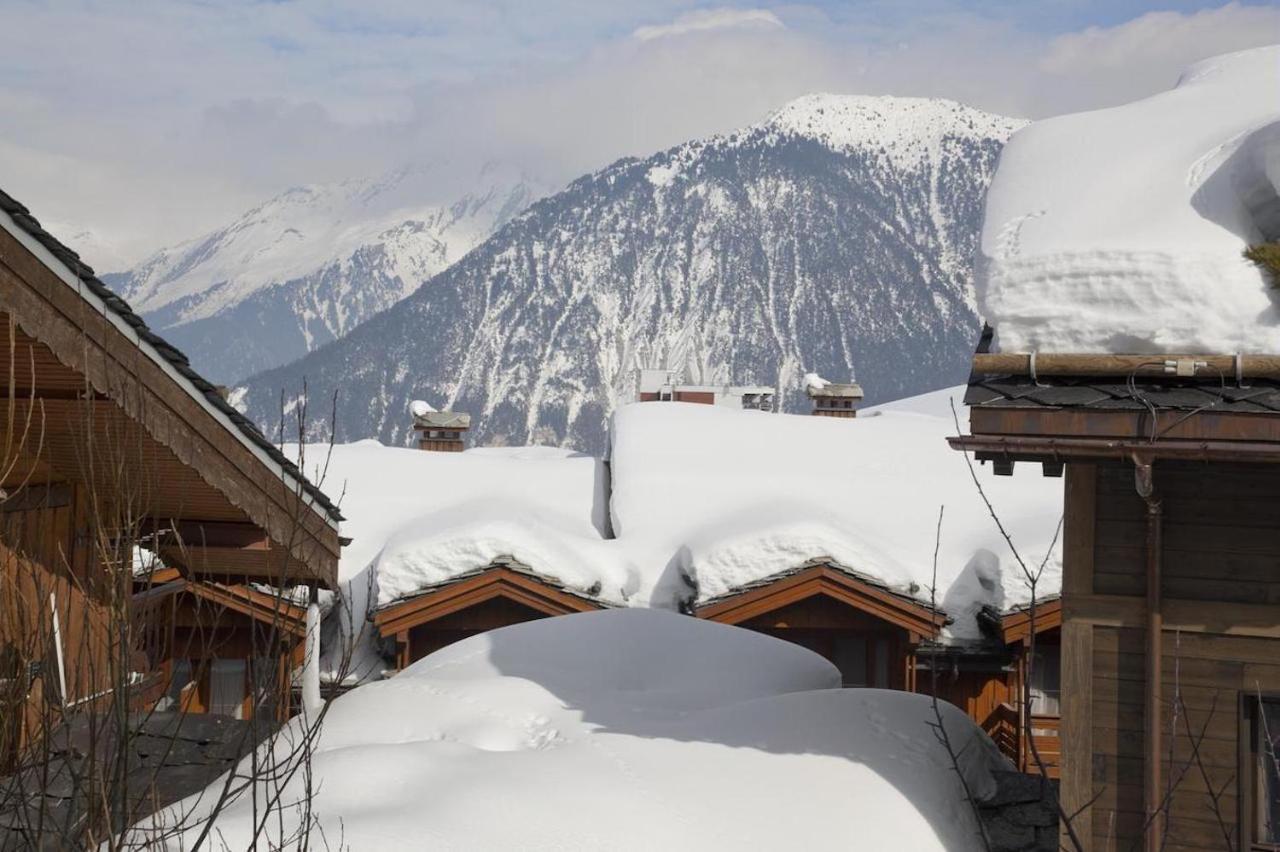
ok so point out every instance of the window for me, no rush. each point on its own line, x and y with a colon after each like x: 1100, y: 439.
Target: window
x: 1045, y: 683
x: 862, y: 661
x: 180, y: 677
x: 1262, y: 728
x: 227, y: 687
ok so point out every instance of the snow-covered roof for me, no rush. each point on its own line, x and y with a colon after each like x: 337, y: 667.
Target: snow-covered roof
x: 730, y: 498
x: 1122, y: 230
x: 699, y: 502
x: 627, y: 729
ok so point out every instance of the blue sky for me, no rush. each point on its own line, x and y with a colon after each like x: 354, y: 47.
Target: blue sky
x: 193, y: 110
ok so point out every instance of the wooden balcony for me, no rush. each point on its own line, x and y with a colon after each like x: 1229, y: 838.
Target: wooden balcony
x: 1048, y: 742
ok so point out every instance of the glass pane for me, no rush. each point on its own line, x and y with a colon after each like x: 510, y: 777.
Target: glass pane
x: 850, y: 657
x: 882, y: 663
x: 181, y: 677
x: 265, y: 686
x: 226, y: 687
x: 1269, y: 772
x: 1045, y: 680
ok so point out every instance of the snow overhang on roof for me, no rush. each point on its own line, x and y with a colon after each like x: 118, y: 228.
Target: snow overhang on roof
x: 849, y: 390
x: 17, y: 220
x: 442, y: 420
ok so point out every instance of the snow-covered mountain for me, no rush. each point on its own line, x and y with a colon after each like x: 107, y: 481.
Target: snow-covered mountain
x: 312, y: 263
x: 835, y: 237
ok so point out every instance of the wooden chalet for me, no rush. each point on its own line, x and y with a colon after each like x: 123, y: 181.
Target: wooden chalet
x: 229, y: 650
x: 835, y: 400
x: 503, y: 593
x: 441, y: 431
x: 879, y: 638
x: 110, y: 438
x: 1170, y: 611
x: 868, y: 632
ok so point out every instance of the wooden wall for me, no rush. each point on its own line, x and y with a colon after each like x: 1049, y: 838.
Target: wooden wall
x: 1221, y: 589
x: 487, y: 615
x: 47, y: 563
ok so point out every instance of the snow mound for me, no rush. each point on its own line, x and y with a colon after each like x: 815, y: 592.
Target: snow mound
x: 630, y: 729
x: 1122, y: 230
x: 740, y: 498
x: 468, y: 537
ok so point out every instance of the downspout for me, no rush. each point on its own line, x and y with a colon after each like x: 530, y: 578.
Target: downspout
x: 312, y: 703
x: 1145, y: 485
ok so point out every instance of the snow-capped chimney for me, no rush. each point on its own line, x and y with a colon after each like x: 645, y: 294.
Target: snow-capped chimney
x: 439, y: 431
x: 831, y: 399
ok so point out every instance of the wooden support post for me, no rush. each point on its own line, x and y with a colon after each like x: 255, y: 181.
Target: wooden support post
x: 1152, y: 787
x: 1079, y: 533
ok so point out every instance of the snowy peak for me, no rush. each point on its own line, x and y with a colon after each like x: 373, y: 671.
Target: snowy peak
x: 306, y: 228
x: 308, y: 265
x: 752, y: 258
x: 907, y: 130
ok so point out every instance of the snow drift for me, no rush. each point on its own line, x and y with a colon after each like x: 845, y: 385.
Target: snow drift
x: 631, y: 729
x: 1122, y: 230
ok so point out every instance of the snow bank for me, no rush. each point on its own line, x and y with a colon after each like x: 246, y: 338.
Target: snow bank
x: 739, y: 497
x: 1121, y: 230
x: 631, y: 729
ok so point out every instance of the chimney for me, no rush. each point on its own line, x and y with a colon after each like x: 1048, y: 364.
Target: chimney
x: 439, y: 431
x: 835, y: 400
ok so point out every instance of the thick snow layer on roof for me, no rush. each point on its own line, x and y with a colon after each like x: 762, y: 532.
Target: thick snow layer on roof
x: 1122, y: 230
x: 736, y: 497
x: 419, y: 518
x: 629, y: 729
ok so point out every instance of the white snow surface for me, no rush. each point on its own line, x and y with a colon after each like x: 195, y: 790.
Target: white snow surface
x: 628, y: 729
x: 704, y: 500
x: 908, y: 131
x: 1122, y: 230
x: 308, y: 228
x: 736, y: 497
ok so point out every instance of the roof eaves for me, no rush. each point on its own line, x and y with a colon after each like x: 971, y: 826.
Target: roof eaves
x: 170, y: 355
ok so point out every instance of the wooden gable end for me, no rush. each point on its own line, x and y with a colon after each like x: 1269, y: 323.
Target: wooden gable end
x: 825, y: 580
x: 88, y: 405
x: 504, y: 595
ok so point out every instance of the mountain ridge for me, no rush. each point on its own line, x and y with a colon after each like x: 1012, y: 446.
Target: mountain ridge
x: 750, y: 257
x: 312, y: 262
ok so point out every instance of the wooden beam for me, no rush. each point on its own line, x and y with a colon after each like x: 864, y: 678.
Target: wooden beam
x: 496, y: 582
x: 1097, y: 364
x: 1077, y: 726
x: 1079, y: 528
x: 1016, y: 626
x: 221, y: 534
x: 823, y: 580
x: 1171, y: 426
x: 1227, y: 619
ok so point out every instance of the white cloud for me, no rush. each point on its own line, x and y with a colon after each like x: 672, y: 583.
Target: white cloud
x: 709, y: 19
x: 150, y: 122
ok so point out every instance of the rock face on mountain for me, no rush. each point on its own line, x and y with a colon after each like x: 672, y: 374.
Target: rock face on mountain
x: 311, y: 264
x: 835, y: 237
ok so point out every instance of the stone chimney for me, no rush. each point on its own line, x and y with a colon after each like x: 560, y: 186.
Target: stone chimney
x: 439, y: 431
x: 835, y: 400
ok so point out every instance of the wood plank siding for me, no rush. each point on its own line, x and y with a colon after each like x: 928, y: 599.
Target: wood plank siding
x: 1221, y: 646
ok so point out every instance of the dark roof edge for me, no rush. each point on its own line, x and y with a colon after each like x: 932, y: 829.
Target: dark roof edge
x: 162, y: 351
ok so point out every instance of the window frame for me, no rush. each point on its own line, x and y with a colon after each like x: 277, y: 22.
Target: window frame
x: 1249, y: 740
